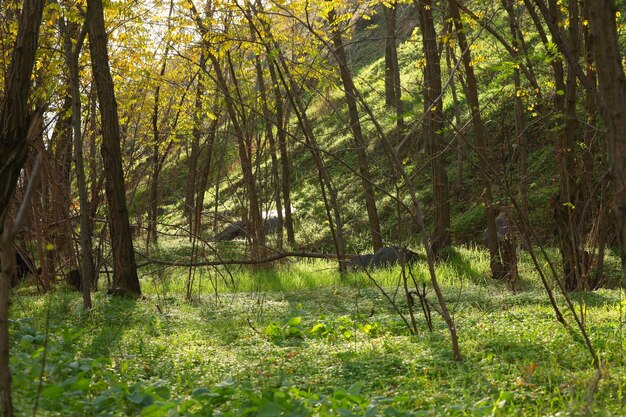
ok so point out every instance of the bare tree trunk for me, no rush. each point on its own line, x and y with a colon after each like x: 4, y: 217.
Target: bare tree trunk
x: 359, y: 141
x: 331, y: 203
x: 254, y: 212
x: 15, y: 120
x: 612, y: 86
x: 7, y: 260
x: 57, y: 228
x: 460, y: 148
x: 520, y: 123
x: 14, y: 115
x: 575, y: 259
x: 567, y: 208
x: 497, y: 266
x: 125, y: 277
x: 432, y: 127
x: 281, y: 120
x: 273, y: 154
x: 591, y: 138
x: 393, y: 87
x: 285, y: 162
x: 158, y: 157
x: 153, y: 195
x: 198, y: 119
x: 207, y: 164
x: 87, y: 270
x: 597, y: 214
x: 95, y: 180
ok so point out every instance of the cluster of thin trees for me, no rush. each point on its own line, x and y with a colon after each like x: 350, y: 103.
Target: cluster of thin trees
x: 201, y: 82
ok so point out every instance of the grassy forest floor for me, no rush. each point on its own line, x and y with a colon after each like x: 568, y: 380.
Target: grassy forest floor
x: 301, y: 340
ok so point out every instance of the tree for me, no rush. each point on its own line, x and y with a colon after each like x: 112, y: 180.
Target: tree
x: 285, y: 163
x: 16, y: 122
x: 357, y: 133
x: 238, y: 121
x: 192, y: 178
x: 518, y: 93
x: 125, y: 278
x: 72, y: 53
x: 393, y: 87
x: 497, y: 265
x: 571, y: 206
x: 612, y: 86
x: 432, y: 127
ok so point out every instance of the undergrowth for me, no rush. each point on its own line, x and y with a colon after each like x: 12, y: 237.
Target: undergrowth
x: 300, y: 340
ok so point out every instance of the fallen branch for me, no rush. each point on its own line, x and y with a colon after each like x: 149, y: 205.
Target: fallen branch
x: 271, y: 258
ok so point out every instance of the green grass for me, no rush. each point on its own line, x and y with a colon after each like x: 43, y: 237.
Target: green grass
x: 300, y: 339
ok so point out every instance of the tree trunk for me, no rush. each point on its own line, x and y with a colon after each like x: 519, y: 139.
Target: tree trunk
x: 359, y: 141
x: 71, y: 55
x: 153, y: 197
x: 273, y: 154
x: 158, y: 157
x: 331, y: 203
x: 567, y: 208
x: 14, y: 126
x: 57, y: 229
x: 14, y: 113
x: 285, y: 162
x: 205, y: 171
x: 254, y: 214
x: 125, y: 278
x: 520, y: 123
x: 198, y: 125
x: 393, y: 87
x: 575, y: 259
x: 245, y: 161
x: 497, y: 266
x: 432, y: 127
x: 460, y: 141
x: 612, y: 86
x: 7, y: 260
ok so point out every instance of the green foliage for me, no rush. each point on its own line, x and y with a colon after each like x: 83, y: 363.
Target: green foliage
x: 290, y: 329
x: 345, y: 327
x: 293, y: 350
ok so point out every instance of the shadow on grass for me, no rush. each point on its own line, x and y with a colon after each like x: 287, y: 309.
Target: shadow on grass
x: 118, y: 317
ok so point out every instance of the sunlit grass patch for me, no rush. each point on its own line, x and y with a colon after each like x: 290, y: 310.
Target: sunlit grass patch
x: 303, y: 325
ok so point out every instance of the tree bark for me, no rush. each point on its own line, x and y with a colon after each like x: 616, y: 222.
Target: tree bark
x: 612, y: 86
x: 158, y: 158
x: 497, y: 266
x: 393, y: 87
x: 14, y: 113
x: 198, y: 125
x: 273, y: 154
x: 331, y: 203
x: 285, y: 162
x: 460, y: 141
x: 15, y: 120
x: 57, y: 226
x: 254, y: 213
x: 518, y: 104
x: 87, y: 269
x: 432, y: 127
x: 575, y: 259
x: 205, y: 171
x: 125, y: 278
x: 357, y: 133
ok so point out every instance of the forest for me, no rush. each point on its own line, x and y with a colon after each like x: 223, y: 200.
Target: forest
x: 312, y: 208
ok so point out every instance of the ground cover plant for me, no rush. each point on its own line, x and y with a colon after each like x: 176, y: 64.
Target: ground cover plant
x: 287, y: 343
